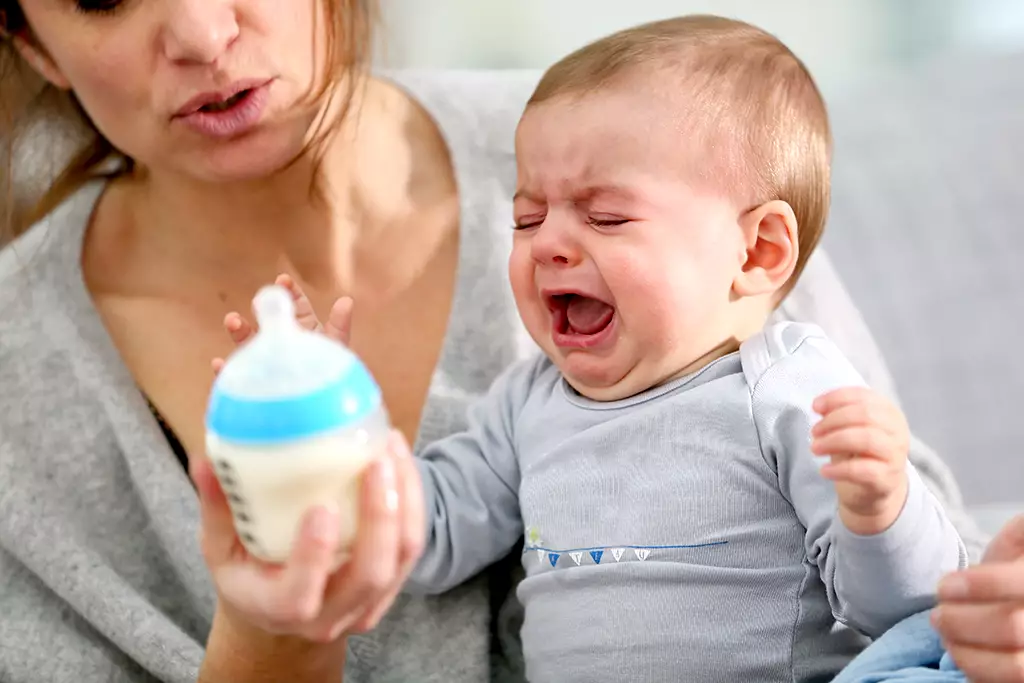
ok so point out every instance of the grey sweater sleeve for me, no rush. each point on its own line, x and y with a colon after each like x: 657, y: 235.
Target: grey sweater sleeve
x: 875, y: 581
x: 820, y: 298
x: 471, y: 489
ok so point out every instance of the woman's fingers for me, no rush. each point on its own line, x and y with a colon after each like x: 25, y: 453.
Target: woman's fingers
x: 982, y: 583
x: 305, y: 576
x: 988, y: 666
x: 1008, y: 544
x: 995, y: 626
x: 303, y: 596
x: 373, y: 567
x: 285, y: 598
x: 413, y: 512
x: 981, y: 611
x: 411, y: 530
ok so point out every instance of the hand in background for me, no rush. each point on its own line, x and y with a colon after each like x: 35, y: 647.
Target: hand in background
x: 868, y: 441
x: 338, y: 326
x: 980, y: 615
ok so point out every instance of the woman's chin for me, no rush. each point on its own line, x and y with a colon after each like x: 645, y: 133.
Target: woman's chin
x: 256, y: 157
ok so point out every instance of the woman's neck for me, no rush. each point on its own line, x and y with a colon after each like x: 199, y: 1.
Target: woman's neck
x: 254, y: 225
x: 320, y: 221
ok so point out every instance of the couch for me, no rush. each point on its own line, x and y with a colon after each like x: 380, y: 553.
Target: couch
x: 926, y: 231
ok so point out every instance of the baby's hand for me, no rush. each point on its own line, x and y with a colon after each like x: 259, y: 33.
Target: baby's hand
x: 868, y: 440
x: 338, y: 326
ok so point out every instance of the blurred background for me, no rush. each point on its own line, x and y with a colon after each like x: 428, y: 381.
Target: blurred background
x: 843, y: 42
x: 927, y: 105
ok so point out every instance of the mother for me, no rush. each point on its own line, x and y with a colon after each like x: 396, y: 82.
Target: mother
x: 223, y: 149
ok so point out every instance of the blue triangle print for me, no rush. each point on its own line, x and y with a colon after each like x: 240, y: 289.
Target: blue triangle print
x: 596, y: 554
x: 553, y: 558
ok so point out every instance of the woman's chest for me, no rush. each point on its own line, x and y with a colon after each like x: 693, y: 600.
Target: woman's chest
x: 168, y: 347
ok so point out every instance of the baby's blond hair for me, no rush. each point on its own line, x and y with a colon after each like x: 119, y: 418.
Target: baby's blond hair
x: 752, y: 108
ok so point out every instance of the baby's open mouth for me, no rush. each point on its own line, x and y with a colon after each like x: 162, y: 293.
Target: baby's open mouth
x: 577, y: 314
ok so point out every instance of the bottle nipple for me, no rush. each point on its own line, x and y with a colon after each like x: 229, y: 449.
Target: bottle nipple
x: 274, y: 308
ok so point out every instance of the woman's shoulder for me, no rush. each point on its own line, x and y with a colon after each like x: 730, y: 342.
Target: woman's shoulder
x: 41, y: 281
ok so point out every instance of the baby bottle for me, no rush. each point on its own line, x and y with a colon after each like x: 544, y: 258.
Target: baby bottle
x: 293, y: 420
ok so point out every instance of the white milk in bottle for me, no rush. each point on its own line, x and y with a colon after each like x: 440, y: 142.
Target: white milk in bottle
x: 293, y: 420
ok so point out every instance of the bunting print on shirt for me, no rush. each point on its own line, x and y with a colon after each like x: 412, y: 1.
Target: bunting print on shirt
x: 561, y: 558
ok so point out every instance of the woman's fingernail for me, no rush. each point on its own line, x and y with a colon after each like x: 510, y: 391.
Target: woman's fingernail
x: 388, y: 481
x: 397, y: 444
x: 953, y: 587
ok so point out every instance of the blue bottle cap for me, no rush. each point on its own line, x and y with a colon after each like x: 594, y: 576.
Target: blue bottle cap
x: 287, y: 383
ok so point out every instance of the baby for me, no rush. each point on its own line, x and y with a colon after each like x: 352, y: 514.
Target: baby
x: 663, y: 457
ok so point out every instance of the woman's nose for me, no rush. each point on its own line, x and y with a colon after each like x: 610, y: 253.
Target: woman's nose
x: 554, y: 245
x: 199, y: 31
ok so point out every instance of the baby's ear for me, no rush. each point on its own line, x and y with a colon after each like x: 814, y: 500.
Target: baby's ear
x: 770, y: 237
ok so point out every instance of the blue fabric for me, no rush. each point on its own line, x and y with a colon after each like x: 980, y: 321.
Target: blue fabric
x: 909, y: 652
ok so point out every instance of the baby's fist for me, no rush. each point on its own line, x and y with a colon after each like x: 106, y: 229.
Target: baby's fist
x: 867, y: 438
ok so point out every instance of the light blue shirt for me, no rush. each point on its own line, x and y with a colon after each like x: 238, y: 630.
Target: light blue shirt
x: 685, y: 533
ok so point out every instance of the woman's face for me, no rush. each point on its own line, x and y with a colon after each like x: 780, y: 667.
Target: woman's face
x: 142, y: 68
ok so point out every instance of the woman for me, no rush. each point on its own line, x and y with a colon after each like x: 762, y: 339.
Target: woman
x: 226, y: 150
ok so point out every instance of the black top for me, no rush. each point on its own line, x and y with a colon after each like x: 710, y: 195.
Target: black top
x: 172, y: 438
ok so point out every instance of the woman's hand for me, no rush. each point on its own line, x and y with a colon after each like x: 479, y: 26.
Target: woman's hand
x: 981, y: 611
x: 304, y: 597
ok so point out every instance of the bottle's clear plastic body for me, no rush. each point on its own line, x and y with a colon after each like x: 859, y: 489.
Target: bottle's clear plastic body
x: 293, y: 421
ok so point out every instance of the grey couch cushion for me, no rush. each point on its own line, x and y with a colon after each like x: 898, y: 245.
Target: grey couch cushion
x: 926, y: 232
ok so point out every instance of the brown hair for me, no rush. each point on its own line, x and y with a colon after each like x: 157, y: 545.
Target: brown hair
x: 757, y: 109
x: 26, y: 101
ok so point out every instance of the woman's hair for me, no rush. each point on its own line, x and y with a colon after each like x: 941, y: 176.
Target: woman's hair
x: 27, y: 102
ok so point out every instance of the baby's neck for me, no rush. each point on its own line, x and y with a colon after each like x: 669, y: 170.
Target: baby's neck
x: 729, y: 346
x: 755, y: 316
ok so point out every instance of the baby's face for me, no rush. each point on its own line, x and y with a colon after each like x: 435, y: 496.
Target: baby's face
x: 622, y: 263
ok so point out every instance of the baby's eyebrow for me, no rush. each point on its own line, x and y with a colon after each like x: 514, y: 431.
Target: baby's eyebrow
x: 611, y: 190
x: 586, y: 194
x: 608, y: 191
x: 522, y: 193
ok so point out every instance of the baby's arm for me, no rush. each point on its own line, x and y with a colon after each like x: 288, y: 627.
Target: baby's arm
x: 471, y: 489
x: 873, y: 580
x: 470, y: 479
